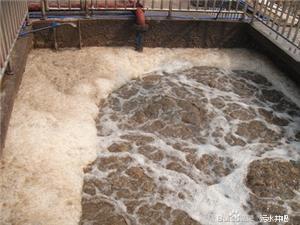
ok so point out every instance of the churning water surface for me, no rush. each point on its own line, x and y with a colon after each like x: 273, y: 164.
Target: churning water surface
x: 168, y: 136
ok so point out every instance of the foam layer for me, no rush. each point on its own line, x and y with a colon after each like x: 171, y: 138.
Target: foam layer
x: 52, y: 133
x: 178, y: 147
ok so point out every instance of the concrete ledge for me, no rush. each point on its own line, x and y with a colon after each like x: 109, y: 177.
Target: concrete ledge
x: 284, y: 61
x: 10, y: 83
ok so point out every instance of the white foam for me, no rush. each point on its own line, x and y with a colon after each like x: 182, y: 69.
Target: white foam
x: 52, y: 133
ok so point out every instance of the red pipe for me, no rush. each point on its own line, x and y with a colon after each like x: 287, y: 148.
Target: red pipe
x: 36, y: 6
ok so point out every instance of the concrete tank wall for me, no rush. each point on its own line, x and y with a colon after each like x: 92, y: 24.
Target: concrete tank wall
x: 161, y: 33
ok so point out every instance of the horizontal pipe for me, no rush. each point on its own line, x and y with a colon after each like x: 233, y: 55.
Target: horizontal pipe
x: 126, y: 15
x: 52, y: 6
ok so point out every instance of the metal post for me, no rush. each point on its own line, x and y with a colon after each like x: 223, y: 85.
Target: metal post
x: 170, y: 8
x: 46, y: 5
x: 236, y: 15
x: 79, y: 34
x: 9, y: 70
x: 81, y: 5
x: 289, y: 9
x: 55, y: 39
x: 86, y: 9
x: 270, y: 12
x: 28, y: 22
x: 43, y: 9
x: 293, y: 20
x: 254, y: 11
x: 296, y: 32
x: 214, y: 5
x: 244, y: 15
x: 265, y: 8
x: 275, y: 15
x: 280, y: 19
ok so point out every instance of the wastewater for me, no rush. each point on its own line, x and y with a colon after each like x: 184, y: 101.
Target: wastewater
x: 186, y: 147
x: 168, y: 136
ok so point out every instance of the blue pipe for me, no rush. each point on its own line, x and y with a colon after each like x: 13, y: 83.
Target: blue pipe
x: 53, y: 25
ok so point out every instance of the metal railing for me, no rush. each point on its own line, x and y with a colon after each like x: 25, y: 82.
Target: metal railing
x: 230, y: 9
x: 12, y: 16
x: 282, y: 17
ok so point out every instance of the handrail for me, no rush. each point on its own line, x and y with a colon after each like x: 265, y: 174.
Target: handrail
x: 12, y: 16
x: 202, y: 6
x: 281, y: 17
